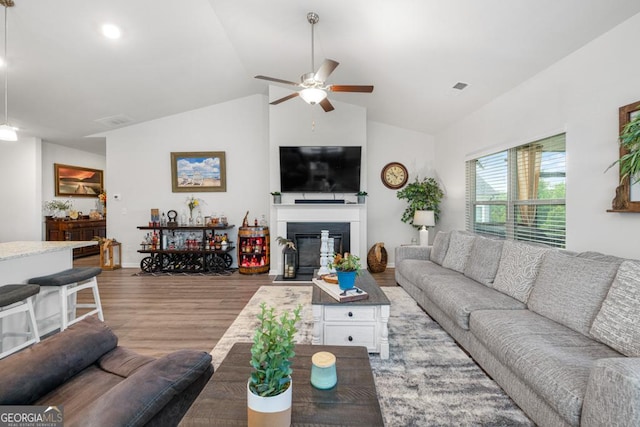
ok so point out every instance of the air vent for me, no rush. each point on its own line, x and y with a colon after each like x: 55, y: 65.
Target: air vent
x: 460, y: 85
x: 115, y: 121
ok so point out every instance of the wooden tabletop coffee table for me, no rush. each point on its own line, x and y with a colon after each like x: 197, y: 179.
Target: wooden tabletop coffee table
x: 352, y: 402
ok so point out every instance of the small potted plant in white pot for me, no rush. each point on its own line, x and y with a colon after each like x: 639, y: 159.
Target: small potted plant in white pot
x: 277, y: 197
x: 269, y: 389
x: 362, y: 195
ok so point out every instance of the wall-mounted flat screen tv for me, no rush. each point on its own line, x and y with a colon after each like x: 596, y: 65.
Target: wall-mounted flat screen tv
x: 320, y: 169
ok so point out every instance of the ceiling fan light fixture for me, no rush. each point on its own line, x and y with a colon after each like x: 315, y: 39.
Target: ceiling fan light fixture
x: 313, y: 95
x: 8, y: 133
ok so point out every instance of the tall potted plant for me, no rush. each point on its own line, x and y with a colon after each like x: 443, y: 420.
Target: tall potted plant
x: 421, y: 195
x: 270, y: 388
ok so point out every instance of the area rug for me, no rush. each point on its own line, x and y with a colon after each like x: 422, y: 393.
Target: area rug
x: 427, y: 381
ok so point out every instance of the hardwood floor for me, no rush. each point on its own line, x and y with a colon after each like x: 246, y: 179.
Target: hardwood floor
x: 157, y: 315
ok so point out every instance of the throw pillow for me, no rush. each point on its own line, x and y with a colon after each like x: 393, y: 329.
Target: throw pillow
x: 440, y: 246
x: 518, y: 269
x: 459, y: 249
x: 484, y: 259
x: 618, y: 322
x: 570, y: 290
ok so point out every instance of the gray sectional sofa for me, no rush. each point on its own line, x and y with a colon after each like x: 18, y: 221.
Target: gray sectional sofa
x: 558, y: 331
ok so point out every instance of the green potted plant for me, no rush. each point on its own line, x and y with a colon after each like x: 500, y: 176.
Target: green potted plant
x: 269, y: 388
x: 277, y: 197
x: 421, y: 195
x: 361, y: 196
x: 630, y: 161
x: 347, y: 267
x: 58, y: 208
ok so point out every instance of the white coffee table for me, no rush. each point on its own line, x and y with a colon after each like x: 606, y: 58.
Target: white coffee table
x: 362, y: 323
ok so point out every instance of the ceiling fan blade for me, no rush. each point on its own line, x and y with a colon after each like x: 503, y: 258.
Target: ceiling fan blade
x: 326, y: 105
x: 286, y: 98
x: 272, y: 79
x: 350, y: 88
x: 325, y: 70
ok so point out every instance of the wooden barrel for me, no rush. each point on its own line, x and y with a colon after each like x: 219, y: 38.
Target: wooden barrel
x: 253, y: 250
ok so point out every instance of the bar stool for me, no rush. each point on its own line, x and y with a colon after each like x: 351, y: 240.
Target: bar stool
x: 67, y: 283
x: 16, y: 299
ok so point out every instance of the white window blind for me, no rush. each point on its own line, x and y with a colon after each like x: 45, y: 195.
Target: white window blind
x: 519, y: 193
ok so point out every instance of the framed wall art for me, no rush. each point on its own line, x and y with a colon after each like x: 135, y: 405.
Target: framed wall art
x: 198, y: 171
x: 77, y: 181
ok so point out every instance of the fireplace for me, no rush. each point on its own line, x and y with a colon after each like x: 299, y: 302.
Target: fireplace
x: 306, y: 237
x: 354, y: 241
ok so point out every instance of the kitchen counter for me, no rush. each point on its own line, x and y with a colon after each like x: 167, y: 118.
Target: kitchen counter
x: 10, y: 250
x: 19, y: 262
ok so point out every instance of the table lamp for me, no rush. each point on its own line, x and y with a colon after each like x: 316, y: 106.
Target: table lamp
x: 424, y: 219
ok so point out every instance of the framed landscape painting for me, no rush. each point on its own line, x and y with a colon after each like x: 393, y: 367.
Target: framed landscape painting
x: 77, y: 181
x: 198, y: 171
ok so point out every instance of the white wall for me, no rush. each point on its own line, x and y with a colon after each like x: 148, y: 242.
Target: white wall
x: 392, y: 144
x: 139, y: 167
x: 580, y: 94
x: 21, y: 178
x: 54, y: 153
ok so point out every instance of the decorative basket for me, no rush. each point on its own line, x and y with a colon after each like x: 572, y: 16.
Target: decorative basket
x: 377, y: 258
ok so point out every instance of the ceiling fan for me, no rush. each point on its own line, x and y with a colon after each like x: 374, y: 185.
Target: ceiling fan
x: 313, y: 89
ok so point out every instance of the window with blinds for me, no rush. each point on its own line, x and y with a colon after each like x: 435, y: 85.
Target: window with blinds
x: 519, y: 193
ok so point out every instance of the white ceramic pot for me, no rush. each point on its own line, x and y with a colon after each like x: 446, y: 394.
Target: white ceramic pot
x: 273, y: 411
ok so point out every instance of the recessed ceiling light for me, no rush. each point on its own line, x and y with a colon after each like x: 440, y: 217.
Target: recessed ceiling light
x: 111, y: 31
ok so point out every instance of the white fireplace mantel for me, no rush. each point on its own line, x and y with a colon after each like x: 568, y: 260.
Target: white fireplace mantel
x: 354, y: 214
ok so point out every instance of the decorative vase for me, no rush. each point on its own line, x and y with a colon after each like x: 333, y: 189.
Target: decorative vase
x: 346, y: 279
x: 272, y: 411
x: 277, y: 199
x: 361, y: 200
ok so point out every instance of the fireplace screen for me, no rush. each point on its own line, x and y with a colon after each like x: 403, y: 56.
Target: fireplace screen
x: 306, y: 236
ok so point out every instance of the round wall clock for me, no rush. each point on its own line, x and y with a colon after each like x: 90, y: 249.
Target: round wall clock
x: 394, y: 175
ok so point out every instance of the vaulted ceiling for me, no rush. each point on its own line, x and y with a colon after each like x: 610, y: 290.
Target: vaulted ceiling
x: 175, y: 56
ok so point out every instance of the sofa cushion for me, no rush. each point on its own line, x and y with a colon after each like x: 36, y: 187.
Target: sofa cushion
x: 617, y: 324
x: 140, y: 397
x: 123, y: 362
x: 570, y: 290
x: 550, y: 358
x: 598, y: 256
x: 484, y: 259
x: 458, y: 296
x: 414, y: 269
x: 53, y: 361
x: 440, y: 246
x: 459, y: 250
x: 518, y: 269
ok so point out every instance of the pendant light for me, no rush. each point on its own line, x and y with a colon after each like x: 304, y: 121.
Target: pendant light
x: 7, y: 132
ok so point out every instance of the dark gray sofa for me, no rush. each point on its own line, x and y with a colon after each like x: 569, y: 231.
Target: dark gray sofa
x: 101, y: 384
x: 558, y: 331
